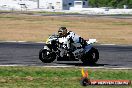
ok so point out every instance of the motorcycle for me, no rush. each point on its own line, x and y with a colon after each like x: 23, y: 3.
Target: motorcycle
x: 55, y: 49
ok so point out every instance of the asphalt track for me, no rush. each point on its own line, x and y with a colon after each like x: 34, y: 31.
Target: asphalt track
x: 27, y: 54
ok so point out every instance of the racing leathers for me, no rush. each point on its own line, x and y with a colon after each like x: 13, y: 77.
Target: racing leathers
x: 71, y: 41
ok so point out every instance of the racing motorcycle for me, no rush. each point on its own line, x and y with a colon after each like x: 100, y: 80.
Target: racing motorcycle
x: 56, y: 49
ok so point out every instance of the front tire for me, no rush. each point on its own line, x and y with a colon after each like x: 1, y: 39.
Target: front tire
x: 91, y: 57
x: 46, y: 56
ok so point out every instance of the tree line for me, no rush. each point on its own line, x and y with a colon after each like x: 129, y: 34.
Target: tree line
x: 110, y: 3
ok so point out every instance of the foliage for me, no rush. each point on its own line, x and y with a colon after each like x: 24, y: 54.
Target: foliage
x: 42, y: 77
x: 110, y: 3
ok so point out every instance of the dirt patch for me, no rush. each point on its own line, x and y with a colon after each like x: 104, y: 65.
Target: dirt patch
x: 37, y: 28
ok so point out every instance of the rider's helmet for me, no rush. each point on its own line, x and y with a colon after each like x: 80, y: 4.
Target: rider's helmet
x: 62, y: 32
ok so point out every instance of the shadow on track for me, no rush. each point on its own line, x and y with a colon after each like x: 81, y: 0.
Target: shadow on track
x: 81, y: 64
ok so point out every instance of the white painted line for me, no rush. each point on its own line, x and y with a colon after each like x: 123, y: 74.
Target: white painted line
x: 121, y: 68
x: 27, y: 42
x: 39, y: 42
x: 116, y: 68
x: 21, y: 41
x: 33, y: 65
x: 10, y: 65
x: 57, y: 66
x: 107, y: 44
x: 39, y: 66
x: 8, y: 41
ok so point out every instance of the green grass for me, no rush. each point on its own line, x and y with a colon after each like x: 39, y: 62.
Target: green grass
x: 52, y: 13
x: 39, y: 12
x: 41, y: 77
x: 122, y: 23
x: 45, y: 12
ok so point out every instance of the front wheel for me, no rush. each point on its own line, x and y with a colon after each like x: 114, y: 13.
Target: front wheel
x: 91, y: 57
x: 46, y: 56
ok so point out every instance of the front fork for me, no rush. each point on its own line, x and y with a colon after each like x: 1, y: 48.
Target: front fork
x: 88, y: 48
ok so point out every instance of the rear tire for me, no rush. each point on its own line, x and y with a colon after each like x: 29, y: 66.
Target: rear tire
x: 46, y: 58
x: 91, y: 57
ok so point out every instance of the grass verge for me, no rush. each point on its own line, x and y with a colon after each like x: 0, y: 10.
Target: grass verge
x: 41, y: 77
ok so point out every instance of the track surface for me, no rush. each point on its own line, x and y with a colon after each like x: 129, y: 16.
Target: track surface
x: 27, y: 54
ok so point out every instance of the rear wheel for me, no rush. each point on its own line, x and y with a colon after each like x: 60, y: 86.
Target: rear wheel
x: 46, y: 56
x: 91, y: 57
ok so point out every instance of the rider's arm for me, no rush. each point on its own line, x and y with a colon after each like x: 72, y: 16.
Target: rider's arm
x: 74, y: 37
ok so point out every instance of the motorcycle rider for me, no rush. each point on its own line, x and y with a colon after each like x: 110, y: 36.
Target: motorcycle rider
x: 70, y: 39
